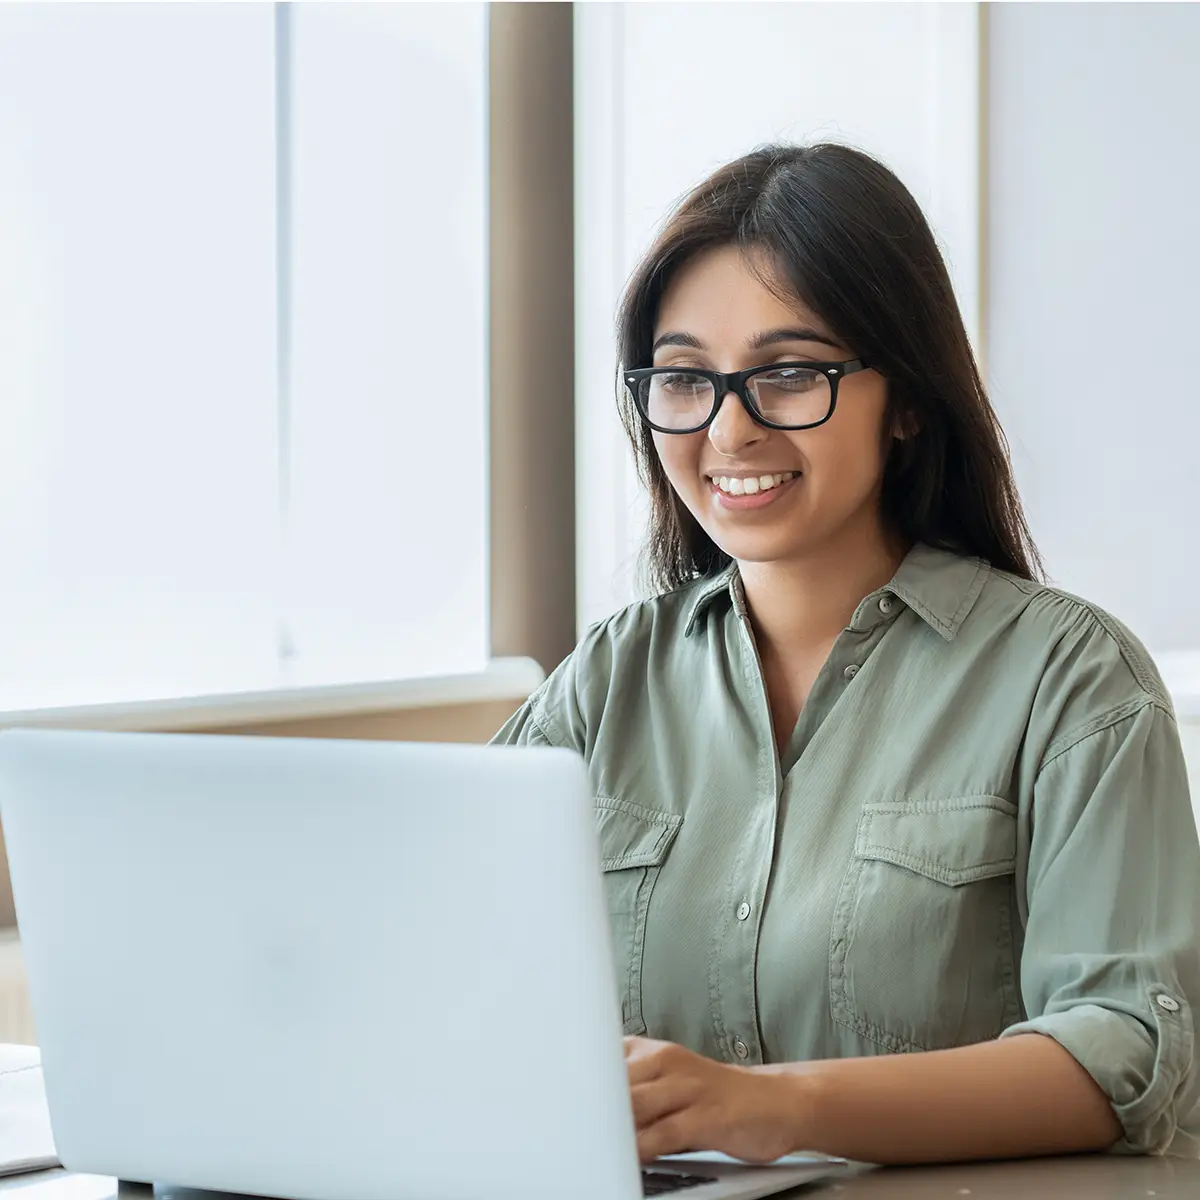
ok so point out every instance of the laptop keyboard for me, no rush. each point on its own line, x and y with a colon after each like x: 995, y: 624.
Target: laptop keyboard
x: 659, y: 1183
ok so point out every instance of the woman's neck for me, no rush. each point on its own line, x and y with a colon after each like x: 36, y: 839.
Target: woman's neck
x: 798, y: 606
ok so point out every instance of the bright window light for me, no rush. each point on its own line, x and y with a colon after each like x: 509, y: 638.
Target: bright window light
x: 387, y: 498
x: 183, y: 508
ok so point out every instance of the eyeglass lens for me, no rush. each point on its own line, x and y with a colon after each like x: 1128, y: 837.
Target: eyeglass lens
x: 681, y: 400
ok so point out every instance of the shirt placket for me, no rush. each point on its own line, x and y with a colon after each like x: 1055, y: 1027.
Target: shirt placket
x: 846, y: 659
x: 735, y: 954
x: 735, y: 950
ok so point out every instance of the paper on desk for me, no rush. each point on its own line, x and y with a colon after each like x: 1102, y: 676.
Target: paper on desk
x: 26, y: 1142
x: 788, y: 1160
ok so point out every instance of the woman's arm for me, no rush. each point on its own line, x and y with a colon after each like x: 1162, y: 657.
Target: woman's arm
x: 1017, y: 1098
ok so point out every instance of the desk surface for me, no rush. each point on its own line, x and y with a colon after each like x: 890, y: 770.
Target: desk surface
x: 1086, y: 1178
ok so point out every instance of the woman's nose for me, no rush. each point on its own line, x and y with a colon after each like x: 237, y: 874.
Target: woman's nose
x: 733, y: 428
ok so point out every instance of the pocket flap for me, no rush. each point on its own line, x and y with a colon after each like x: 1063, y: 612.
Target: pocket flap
x: 632, y: 836
x: 954, y: 841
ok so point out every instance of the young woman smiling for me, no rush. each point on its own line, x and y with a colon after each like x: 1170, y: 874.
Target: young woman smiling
x: 898, y: 849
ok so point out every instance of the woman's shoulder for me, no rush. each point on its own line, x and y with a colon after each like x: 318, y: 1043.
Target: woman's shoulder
x: 624, y: 648
x: 657, y: 619
x: 1073, y: 623
x: 1094, y: 668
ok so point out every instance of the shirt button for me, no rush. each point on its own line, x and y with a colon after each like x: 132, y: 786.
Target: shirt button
x: 741, y: 1049
x: 886, y: 604
x: 850, y: 671
x: 743, y: 911
x: 1167, y: 1002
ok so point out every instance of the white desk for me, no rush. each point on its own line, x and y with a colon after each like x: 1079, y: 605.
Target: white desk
x: 1089, y: 1177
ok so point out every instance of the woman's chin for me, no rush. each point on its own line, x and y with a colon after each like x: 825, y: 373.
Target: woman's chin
x: 769, y: 547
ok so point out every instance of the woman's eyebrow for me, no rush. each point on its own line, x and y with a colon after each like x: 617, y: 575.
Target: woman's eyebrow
x: 769, y: 337
x: 679, y: 339
x: 772, y: 336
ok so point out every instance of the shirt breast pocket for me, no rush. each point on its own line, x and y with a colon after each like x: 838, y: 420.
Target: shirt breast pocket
x: 634, y: 843
x: 921, y: 949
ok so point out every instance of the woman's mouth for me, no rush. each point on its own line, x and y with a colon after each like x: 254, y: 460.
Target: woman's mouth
x: 750, y: 491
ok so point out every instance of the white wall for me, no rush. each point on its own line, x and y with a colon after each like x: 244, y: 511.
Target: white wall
x: 1094, y: 296
x: 665, y: 93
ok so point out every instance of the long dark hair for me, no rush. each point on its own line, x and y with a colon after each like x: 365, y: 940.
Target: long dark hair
x: 846, y: 237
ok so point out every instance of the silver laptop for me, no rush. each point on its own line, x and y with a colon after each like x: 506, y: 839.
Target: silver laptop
x: 315, y: 969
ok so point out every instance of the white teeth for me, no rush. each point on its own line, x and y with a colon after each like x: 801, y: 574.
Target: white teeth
x: 751, y: 485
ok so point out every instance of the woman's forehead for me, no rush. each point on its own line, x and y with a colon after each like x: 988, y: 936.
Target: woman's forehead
x: 727, y: 293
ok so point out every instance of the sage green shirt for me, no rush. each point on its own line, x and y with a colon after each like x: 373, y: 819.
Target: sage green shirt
x: 980, y: 827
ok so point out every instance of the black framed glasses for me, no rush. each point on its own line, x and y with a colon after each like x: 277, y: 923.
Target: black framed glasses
x: 790, y: 395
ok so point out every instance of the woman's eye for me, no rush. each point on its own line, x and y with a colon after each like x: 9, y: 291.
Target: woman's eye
x: 681, y: 383
x: 791, y: 379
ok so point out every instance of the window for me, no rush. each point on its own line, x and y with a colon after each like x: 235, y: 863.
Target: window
x: 242, y: 346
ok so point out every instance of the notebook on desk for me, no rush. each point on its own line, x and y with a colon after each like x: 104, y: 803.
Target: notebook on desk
x: 26, y: 1140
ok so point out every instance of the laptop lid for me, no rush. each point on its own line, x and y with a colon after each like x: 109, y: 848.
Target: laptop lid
x: 319, y: 968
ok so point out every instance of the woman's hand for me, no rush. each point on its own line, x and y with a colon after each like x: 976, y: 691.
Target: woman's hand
x: 683, y: 1102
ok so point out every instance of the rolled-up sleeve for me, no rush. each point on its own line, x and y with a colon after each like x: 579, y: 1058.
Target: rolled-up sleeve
x: 1110, y: 967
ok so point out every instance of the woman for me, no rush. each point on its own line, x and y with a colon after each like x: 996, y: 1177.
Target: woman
x: 898, y: 849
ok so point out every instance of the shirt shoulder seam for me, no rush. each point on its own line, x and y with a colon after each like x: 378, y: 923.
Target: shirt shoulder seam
x: 1145, y: 681
x: 1106, y: 720
x: 1130, y: 654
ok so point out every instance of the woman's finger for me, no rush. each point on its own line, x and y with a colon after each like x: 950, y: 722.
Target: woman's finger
x: 660, y: 1097
x: 671, y: 1135
x: 644, y: 1059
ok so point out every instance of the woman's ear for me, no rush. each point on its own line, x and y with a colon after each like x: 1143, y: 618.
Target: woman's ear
x: 905, y: 425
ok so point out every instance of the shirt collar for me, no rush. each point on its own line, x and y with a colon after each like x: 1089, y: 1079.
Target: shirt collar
x: 725, y: 583
x: 940, y: 587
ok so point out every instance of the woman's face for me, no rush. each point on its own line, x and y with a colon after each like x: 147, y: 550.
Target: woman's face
x: 716, y: 315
